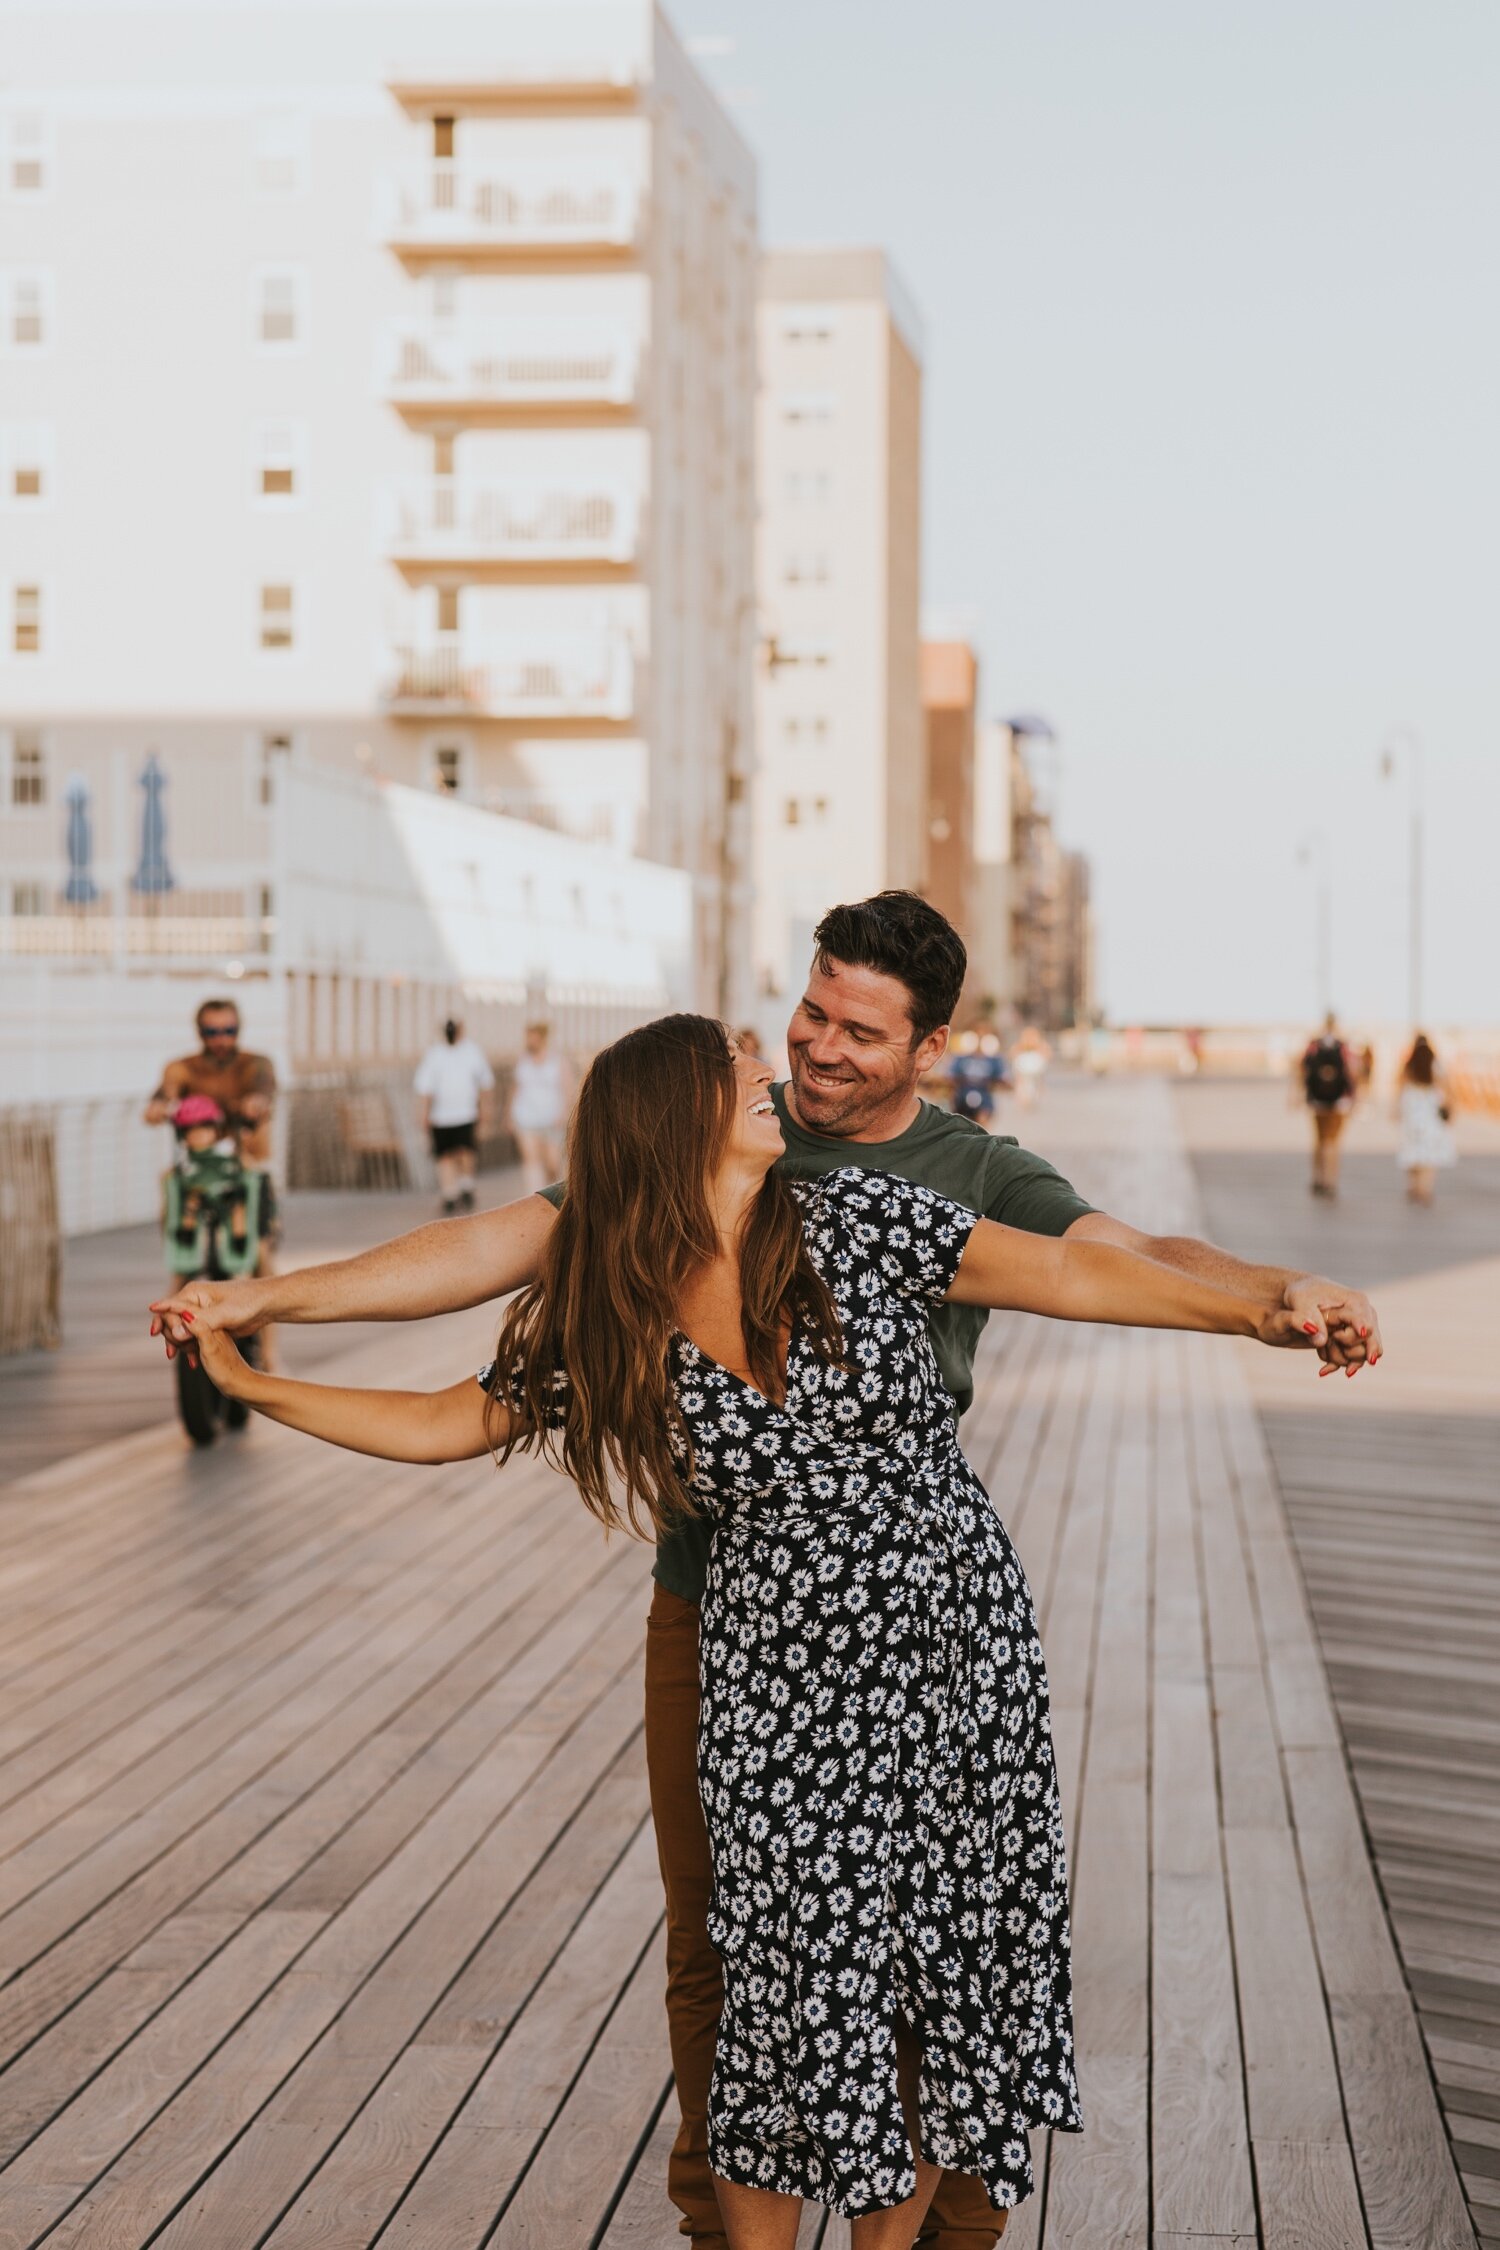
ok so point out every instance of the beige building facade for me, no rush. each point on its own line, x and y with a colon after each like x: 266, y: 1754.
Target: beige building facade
x: 378, y: 390
x: 840, y: 790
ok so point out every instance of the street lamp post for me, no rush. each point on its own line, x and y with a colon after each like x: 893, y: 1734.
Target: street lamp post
x: 1313, y: 851
x: 1404, y: 743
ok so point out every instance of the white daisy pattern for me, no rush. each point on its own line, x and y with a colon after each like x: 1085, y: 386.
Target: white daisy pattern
x: 874, y: 1748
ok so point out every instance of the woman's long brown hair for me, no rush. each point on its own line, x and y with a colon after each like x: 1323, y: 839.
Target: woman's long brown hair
x: 654, y: 1116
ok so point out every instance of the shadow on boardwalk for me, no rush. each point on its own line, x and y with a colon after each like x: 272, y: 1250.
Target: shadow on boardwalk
x: 328, y: 1904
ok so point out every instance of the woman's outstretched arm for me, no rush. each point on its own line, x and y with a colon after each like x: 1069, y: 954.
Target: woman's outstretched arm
x: 1070, y: 1279
x: 426, y: 1426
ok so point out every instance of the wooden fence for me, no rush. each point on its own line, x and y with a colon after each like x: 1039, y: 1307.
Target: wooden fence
x: 30, y: 1237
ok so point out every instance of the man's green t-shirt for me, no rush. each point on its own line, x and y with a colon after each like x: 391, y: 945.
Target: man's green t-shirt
x: 986, y: 1173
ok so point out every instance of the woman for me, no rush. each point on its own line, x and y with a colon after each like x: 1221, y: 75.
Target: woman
x: 1422, y: 1112
x: 875, y: 1752
x: 539, y: 1109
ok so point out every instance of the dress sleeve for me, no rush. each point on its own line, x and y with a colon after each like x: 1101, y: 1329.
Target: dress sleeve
x: 910, y: 1239
x: 509, y: 1392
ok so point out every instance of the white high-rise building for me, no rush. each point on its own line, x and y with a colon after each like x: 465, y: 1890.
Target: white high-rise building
x: 840, y: 806
x: 376, y: 388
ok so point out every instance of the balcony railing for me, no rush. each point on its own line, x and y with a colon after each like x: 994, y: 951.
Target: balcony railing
x: 451, y: 206
x: 515, y: 366
x: 182, y: 937
x: 443, y: 519
x: 574, y: 676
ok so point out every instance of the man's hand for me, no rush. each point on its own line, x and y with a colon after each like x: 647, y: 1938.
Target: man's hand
x: 234, y: 1308
x: 1340, y: 1323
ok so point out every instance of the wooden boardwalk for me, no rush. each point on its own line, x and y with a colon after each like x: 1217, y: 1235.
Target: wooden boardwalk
x: 1394, y: 1501
x: 329, y: 1913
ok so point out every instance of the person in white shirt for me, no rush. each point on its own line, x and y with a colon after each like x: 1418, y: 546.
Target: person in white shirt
x: 452, y: 1081
x: 539, y: 1109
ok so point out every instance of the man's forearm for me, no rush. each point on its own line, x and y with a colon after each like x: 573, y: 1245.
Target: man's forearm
x: 1207, y: 1262
x: 445, y: 1267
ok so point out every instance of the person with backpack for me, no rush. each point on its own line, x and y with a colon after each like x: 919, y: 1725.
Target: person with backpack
x: 1328, y: 1083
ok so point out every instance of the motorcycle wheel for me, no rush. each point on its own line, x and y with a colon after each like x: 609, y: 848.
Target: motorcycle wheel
x: 198, y: 1402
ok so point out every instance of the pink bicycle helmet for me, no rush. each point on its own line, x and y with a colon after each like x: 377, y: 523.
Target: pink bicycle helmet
x: 197, y: 1109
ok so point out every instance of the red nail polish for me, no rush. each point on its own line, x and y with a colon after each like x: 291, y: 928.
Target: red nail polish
x: 1364, y: 1332
x: 1309, y: 1328
x: 187, y: 1316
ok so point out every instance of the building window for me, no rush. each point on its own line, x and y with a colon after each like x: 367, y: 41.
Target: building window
x: 28, y: 322
x: 809, y: 324
x: 447, y: 609
x: 442, y: 139
x: 28, y: 898
x: 806, y: 570
x: 27, y: 621
x: 444, y: 284
x: 448, y: 768
x: 28, y: 769
x: 808, y: 488
x: 793, y: 812
x: 279, y: 451
x: 28, y: 461
x: 280, y: 154
x: 277, y: 617
x: 28, y: 163
x: 807, y: 406
x: 442, y: 453
x: 273, y: 748
x: 280, y: 314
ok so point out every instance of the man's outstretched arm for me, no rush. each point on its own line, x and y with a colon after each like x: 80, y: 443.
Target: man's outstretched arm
x: 1352, y: 1324
x: 444, y: 1267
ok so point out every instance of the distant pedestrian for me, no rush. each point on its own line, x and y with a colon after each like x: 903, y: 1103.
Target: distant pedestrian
x: 976, y: 1073
x: 539, y: 1109
x: 1328, y: 1087
x: 1423, y: 1111
x: 452, y: 1082
x: 1029, y: 1058
x: 1365, y: 1059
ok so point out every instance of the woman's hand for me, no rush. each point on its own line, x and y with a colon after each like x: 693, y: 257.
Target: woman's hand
x: 216, y: 1352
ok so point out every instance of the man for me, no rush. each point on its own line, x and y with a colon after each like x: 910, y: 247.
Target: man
x: 452, y: 1082
x: 1328, y: 1087
x: 244, y: 1086
x: 873, y: 1020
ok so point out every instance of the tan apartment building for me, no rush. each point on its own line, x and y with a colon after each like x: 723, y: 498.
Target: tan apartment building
x: 839, y: 798
x: 950, y: 692
x: 378, y: 391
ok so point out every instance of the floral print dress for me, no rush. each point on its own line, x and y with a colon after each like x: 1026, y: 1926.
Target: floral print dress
x: 874, y: 1748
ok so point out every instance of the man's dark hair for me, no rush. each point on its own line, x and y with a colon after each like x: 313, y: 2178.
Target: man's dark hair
x: 905, y: 937
x: 451, y: 1030
x: 214, y: 1008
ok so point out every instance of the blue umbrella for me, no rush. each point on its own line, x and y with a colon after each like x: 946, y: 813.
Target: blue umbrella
x: 153, y: 875
x: 80, y: 888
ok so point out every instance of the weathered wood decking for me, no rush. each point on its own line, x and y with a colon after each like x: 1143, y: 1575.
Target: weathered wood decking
x: 329, y: 1912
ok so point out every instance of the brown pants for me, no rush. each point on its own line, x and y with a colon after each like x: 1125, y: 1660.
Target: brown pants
x: 961, y: 2217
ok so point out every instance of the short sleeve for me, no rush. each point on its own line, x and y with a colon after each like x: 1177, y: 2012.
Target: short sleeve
x: 422, y: 1083
x: 909, y: 1238
x: 509, y: 1393
x: 1023, y: 1190
x: 484, y: 1077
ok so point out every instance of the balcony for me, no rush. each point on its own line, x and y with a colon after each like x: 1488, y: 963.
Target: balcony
x: 444, y: 205
x: 445, y: 520
x: 559, y: 367
x: 583, y: 679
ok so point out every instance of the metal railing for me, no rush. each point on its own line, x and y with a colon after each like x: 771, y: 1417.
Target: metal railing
x: 103, y: 937
x: 514, y: 365
x: 449, y: 202
x: 582, y: 678
x: 446, y: 516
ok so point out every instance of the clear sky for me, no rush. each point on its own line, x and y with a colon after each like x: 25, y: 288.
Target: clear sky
x: 1212, y: 388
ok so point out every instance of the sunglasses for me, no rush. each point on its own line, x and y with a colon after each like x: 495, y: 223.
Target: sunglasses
x: 221, y: 1031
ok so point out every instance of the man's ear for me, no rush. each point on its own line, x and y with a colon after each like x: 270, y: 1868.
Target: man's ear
x: 932, y: 1049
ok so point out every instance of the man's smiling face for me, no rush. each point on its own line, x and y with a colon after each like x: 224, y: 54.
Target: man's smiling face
x: 853, y: 1059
